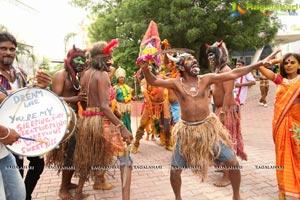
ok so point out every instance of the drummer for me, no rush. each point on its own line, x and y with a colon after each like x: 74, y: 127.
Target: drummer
x: 66, y: 85
x: 13, y: 78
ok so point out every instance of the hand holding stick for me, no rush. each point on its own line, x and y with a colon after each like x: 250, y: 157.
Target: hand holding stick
x: 32, y: 139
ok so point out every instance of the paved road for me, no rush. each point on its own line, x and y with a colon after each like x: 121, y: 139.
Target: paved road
x: 154, y: 184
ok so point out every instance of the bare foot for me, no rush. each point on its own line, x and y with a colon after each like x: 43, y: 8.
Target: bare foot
x: 222, y: 183
x: 237, y: 197
x: 64, y: 194
x: 80, y: 196
x: 169, y: 148
x: 134, y: 150
x: 219, y: 171
x: 153, y: 137
x: 72, y: 186
x: 244, y: 156
x: 103, y: 186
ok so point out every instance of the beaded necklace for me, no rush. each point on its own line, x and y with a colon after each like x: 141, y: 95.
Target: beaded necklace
x: 292, y: 81
x: 192, y: 89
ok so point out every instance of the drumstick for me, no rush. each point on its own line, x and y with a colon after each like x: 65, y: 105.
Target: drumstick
x: 32, y: 139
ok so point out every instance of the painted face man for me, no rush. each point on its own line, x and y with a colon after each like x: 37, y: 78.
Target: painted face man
x: 217, y: 55
x: 78, y: 63
x: 187, y: 61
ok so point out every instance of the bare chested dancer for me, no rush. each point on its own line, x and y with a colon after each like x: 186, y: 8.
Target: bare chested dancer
x: 101, y: 134
x: 201, y: 138
x: 66, y: 85
x: 227, y: 109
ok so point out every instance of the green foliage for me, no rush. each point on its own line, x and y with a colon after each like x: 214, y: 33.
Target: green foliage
x: 67, y: 39
x: 23, y: 50
x: 185, y: 23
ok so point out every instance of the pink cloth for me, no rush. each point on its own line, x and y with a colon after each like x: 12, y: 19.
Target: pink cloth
x: 112, y: 93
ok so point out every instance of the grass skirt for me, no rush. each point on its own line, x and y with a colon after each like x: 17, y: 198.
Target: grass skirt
x: 62, y: 156
x: 97, y: 142
x: 200, y: 144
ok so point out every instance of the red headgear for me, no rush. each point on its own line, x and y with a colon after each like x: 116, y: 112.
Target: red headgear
x: 71, y: 54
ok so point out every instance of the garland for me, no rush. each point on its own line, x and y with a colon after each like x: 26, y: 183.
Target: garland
x: 126, y: 92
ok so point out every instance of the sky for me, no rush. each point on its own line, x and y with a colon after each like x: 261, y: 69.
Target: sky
x: 44, y: 26
x: 57, y: 19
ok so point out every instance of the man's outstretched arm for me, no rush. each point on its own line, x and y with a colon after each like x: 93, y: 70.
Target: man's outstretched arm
x: 151, y: 78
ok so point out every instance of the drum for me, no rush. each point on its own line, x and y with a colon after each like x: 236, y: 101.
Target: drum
x: 72, y: 123
x: 36, y: 114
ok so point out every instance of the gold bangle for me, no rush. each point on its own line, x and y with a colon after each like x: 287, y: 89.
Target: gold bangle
x: 8, y: 133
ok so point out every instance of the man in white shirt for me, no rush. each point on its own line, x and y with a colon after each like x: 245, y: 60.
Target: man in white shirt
x: 242, y: 83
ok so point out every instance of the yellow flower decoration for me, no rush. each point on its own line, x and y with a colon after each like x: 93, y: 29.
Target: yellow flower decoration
x: 126, y: 92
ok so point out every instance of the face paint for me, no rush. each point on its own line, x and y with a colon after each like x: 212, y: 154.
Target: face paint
x: 191, y: 65
x: 78, y: 63
x: 212, y: 59
x: 79, y: 60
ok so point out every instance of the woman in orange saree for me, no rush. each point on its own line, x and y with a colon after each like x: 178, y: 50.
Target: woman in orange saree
x: 286, y: 125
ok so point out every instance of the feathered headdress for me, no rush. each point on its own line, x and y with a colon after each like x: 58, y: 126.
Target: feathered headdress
x: 112, y: 44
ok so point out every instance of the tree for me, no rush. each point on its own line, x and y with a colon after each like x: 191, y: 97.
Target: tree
x: 67, y: 39
x: 185, y: 23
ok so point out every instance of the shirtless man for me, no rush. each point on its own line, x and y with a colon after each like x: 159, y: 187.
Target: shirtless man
x: 227, y: 109
x: 203, y: 128
x: 66, y: 85
x: 98, y: 140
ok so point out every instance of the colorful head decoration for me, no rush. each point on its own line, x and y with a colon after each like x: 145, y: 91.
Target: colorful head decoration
x: 120, y: 72
x: 151, y: 43
x: 217, y: 55
x: 179, y: 60
x: 100, y: 53
x: 74, y: 53
x: 103, y: 49
x: 109, y: 47
x: 170, y: 65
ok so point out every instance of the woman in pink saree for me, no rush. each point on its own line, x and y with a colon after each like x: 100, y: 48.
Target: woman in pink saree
x: 286, y: 125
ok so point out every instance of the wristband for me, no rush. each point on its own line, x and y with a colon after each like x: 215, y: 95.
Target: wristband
x: 8, y: 133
